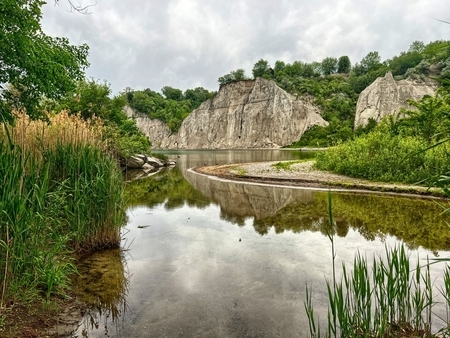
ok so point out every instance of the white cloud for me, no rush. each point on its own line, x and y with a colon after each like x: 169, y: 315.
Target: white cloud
x: 189, y: 43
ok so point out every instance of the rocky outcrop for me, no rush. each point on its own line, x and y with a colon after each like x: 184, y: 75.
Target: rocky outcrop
x: 385, y: 96
x: 244, y: 114
x: 145, y: 162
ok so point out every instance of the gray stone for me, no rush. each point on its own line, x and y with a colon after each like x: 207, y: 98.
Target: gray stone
x: 155, y: 162
x: 385, y: 96
x: 134, y: 162
x: 147, y: 166
x: 244, y: 114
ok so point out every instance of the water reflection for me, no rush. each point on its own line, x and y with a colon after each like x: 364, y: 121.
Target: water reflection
x: 190, y: 275
x: 417, y: 222
x: 102, y: 285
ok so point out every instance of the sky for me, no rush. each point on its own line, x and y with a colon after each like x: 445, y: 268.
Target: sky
x: 191, y: 43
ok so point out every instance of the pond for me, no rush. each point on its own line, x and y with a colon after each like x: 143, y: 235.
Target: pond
x: 204, y: 257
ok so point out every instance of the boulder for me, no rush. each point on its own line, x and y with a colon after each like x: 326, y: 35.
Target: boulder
x: 385, y: 96
x: 134, y: 162
x: 155, y: 162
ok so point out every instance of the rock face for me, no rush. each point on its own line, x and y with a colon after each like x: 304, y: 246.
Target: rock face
x: 245, y: 114
x: 385, y: 96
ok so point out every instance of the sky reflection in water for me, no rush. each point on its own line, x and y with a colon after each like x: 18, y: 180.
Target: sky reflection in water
x: 188, y: 273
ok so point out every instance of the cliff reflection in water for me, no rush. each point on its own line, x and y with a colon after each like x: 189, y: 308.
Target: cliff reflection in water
x: 417, y: 222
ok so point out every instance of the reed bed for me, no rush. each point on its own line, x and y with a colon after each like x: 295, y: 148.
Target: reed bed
x: 60, y: 194
x: 388, y: 299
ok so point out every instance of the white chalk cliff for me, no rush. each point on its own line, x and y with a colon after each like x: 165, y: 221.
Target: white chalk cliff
x: 385, y: 96
x: 244, y: 114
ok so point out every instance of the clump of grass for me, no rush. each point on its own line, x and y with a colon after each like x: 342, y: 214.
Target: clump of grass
x: 380, y: 156
x: 60, y: 193
x: 387, y: 300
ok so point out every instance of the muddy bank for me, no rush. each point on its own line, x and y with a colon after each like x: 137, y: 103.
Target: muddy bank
x: 304, y: 174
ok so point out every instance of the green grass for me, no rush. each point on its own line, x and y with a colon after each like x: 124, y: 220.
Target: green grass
x: 379, y: 156
x: 388, y: 298
x: 67, y: 199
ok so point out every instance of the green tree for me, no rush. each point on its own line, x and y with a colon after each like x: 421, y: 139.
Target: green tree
x: 89, y: 98
x: 328, y: 66
x: 33, y: 64
x: 400, y: 64
x: 279, y: 66
x: 235, y: 75
x: 261, y: 68
x: 417, y: 47
x: 197, y: 96
x: 172, y: 93
x: 371, y: 62
x: 344, y: 65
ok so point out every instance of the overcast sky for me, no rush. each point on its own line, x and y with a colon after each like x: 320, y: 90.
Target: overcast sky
x: 190, y: 43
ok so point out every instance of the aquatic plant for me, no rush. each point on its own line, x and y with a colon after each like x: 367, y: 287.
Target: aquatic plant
x: 388, y: 299
x: 60, y: 193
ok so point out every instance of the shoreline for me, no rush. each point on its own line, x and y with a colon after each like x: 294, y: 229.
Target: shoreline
x: 303, y: 174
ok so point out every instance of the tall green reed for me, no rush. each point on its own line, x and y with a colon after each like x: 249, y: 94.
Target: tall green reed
x: 381, y: 300
x: 53, y: 202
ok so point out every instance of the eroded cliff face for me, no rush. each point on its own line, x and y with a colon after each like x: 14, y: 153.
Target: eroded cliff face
x: 245, y: 114
x: 385, y: 96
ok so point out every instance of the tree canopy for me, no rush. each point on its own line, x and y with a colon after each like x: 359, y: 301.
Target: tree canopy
x: 32, y: 64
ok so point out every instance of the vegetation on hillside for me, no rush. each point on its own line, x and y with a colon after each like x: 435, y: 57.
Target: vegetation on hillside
x: 92, y: 99
x: 171, y: 107
x: 334, y: 84
x: 409, y: 150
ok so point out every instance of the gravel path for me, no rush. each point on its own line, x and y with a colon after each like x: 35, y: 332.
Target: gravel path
x: 304, y: 174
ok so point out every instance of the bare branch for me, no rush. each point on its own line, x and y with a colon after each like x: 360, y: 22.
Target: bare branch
x: 78, y: 7
x: 442, y: 21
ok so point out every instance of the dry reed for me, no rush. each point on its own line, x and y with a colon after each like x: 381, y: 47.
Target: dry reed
x: 60, y: 129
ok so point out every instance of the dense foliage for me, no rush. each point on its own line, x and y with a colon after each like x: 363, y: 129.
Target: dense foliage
x: 33, y: 64
x: 407, y: 150
x: 60, y: 193
x: 92, y: 99
x: 172, y: 107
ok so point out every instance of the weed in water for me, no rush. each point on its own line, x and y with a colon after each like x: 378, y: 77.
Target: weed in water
x: 387, y: 300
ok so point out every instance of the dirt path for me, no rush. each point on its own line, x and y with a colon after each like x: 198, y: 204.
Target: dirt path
x: 304, y: 174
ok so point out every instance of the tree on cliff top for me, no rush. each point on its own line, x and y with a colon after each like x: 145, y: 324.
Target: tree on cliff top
x: 32, y: 64
x: 233, y: 76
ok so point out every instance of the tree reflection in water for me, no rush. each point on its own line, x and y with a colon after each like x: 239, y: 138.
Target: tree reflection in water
x: 102, y: 284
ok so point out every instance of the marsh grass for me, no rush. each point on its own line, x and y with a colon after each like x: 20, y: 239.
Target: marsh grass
x: 60, y: 194
x: 380, y: 156
x: 387, y: 299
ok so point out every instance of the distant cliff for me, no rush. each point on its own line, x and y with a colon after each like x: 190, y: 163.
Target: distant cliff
x: 385, y: 96
x: 244, y: 114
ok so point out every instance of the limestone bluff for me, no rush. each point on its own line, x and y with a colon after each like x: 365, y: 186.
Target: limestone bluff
x: 385, y: 96
x: 245, y: 114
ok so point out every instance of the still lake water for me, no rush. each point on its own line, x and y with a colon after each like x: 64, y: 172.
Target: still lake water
x: 203, y: 257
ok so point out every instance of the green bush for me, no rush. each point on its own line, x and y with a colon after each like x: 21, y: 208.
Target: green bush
x: 385, y: 157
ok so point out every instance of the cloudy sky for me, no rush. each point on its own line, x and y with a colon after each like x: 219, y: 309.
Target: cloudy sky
x: 190, y: 43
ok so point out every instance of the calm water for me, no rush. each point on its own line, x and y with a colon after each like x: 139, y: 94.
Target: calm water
x: 207, y: 258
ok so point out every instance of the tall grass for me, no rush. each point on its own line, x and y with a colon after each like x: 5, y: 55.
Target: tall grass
x: 388, y: 299
x: 382, y: 156
x: 59, y: 194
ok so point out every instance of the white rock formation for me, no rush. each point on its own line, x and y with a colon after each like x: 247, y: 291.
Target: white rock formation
x: 385, y: 96
x: 245, y: 114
